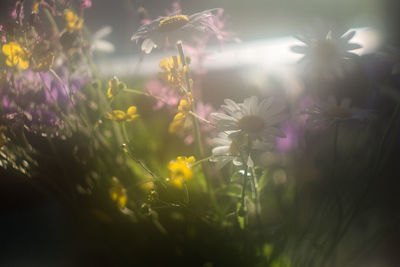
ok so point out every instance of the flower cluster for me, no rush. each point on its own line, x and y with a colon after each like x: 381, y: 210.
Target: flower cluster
x: 180, y: 119
x: 40, y: 86
x: 16, y: 55
x: 118, y: 193
x: 180, y: 170
x: 119, y: 115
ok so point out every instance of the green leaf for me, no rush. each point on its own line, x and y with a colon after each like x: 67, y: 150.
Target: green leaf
x: 232, y: 190
x: 264, y: 180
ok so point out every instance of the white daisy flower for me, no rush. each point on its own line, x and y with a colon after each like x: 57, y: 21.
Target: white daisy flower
x: 98, y: 44
x: 257, y: 120
x: 326, y: 51
x: 229, y: 150
x: 172, y: 28
x: 324, y: 113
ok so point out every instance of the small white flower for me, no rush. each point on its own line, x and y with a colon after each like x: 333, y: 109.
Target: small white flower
x: 326, y: 51
x: 257, y: 120
x: 224, y: 152
x: 236, y: 150
x: 98, y: 44
x: 324, y: 113
x: 172, y: 28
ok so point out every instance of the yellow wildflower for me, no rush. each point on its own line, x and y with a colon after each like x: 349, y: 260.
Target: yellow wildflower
x: 35, y: 7
x: 185, y: 105
x: 147, y: 187
x: 73, y: 22
x: 44, y: 63
x: 173, y: 70
x: 16, y: 55
x: 179, y: 121
x: 114, y: 87
x: 180, y: 170
x: 118, y: 193
x: 119, y: 115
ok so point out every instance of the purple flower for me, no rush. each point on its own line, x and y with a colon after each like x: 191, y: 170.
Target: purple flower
x: 166, y: 95
x: 35, y: 101
x: 85, y: 4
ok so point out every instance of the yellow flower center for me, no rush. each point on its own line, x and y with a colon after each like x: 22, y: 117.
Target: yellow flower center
x: 172, y: 23
x: 251, y: 124
x: 326, y: 50
x: 337, y: 112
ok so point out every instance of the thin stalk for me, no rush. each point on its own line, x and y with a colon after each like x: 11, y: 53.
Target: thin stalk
x: 63, y: 85
x: 201, y: 119
x: 189, y: 88
x: 374, y: 171
x: 52, y: 21
x: 186, y: 198
x: 195, y: 122
x: 201, y: 161
x: 124, y: 132
x: 336, y: 235
x: 138, y: 92
x: 242, y: 198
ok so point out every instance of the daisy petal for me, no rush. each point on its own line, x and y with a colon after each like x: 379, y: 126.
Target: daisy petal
x: 299, y: 49
x: 347, y: 36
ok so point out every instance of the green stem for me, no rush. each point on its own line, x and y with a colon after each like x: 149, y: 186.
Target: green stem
x: 124, y: 132
x: 52, y: 21
x: 201, y: 119
x: 195, y: 122
x: 186, y: 194
x: 369, y: 182
x: 336, y: 234
x: 63, y: 85
x: 189, y: 88
x: 242, y: 198
x: 201, y: 161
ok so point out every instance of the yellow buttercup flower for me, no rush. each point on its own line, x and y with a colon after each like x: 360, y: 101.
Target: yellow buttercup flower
x: 173, y: 70
x: 114, y: 87
x: 16, y: 55
x: 185, y: 105
x: 177, y: 124
x: 119, y: 115
x: 73, y: 22
x: 179, y: 121
x: 118, y: 193
x: 44, y: 63
x: 180, y: 170
x: 35, y: 7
